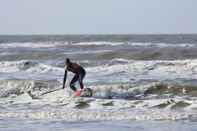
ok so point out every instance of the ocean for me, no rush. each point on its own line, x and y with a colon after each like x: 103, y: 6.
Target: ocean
x: 139, y: 82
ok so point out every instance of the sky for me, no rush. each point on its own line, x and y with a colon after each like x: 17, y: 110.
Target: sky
x: 98, y: 16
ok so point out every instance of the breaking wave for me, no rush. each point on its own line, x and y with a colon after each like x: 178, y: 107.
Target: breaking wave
x: 153, y: 90
x: 119, y: 91
x: 127, y: 71
x: 118, y: 70
x: 25, y: 65
x: 32, y: 87
x: 46, y: 100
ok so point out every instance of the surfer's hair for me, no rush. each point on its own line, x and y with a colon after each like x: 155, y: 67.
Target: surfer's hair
x: 67, y: 60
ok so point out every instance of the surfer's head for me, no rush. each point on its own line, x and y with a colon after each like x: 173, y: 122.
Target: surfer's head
x: 67, y: 61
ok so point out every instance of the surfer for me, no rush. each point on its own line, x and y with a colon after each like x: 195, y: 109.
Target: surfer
x: 79, y: 72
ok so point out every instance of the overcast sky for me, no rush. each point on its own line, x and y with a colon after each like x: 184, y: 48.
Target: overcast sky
x: 98, y: 16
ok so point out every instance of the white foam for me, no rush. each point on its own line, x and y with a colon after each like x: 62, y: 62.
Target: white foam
x: 140, y: 44
x: 161, y: 44
x: 101, y: 109
x: 31, y: 45
x: 33, y: 87
x: 25, y: 65
x: 60, y: 105
x: 87, y: 52
x: 96, y: 43
x: 159, y: 70
x: 99, y: 43
x: 116, y: 70
x: 80, y: 115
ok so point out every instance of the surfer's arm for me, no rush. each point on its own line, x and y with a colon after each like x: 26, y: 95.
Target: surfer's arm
x: 65, y: 75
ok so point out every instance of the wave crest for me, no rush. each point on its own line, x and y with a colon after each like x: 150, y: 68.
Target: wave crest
x: 25, y: 65
x: 33, y: 87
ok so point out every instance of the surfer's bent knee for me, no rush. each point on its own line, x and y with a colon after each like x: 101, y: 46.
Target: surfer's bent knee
x: 72, y: 86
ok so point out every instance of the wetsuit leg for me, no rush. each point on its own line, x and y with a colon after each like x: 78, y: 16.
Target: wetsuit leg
x: 72, y: 83
x: 81, y: 77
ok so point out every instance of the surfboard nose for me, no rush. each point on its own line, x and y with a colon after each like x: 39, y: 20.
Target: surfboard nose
x: 77, y: 93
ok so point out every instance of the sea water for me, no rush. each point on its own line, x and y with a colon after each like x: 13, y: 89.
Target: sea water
x: 139, y: 82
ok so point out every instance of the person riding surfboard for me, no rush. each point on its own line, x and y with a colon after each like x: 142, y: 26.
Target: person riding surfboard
x: 79, y: 72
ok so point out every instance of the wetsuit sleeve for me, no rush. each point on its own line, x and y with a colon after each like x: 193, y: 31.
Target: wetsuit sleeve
x: 64, y: 80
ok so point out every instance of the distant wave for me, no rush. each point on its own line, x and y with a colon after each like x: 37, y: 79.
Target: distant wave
x: 99, y: 43
x: 46, y: 45
x: 32, y: 45
x: 136, y: 44
x: 162, y: 44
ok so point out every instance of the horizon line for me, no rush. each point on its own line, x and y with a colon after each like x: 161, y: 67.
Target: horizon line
x: 101, y: 34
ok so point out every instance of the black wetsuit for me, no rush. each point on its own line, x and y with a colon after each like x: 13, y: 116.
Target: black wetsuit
x: 79, y: 75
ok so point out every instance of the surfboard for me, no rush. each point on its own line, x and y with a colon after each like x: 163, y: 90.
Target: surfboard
x: 86, y: 92
x: 78, y: 93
